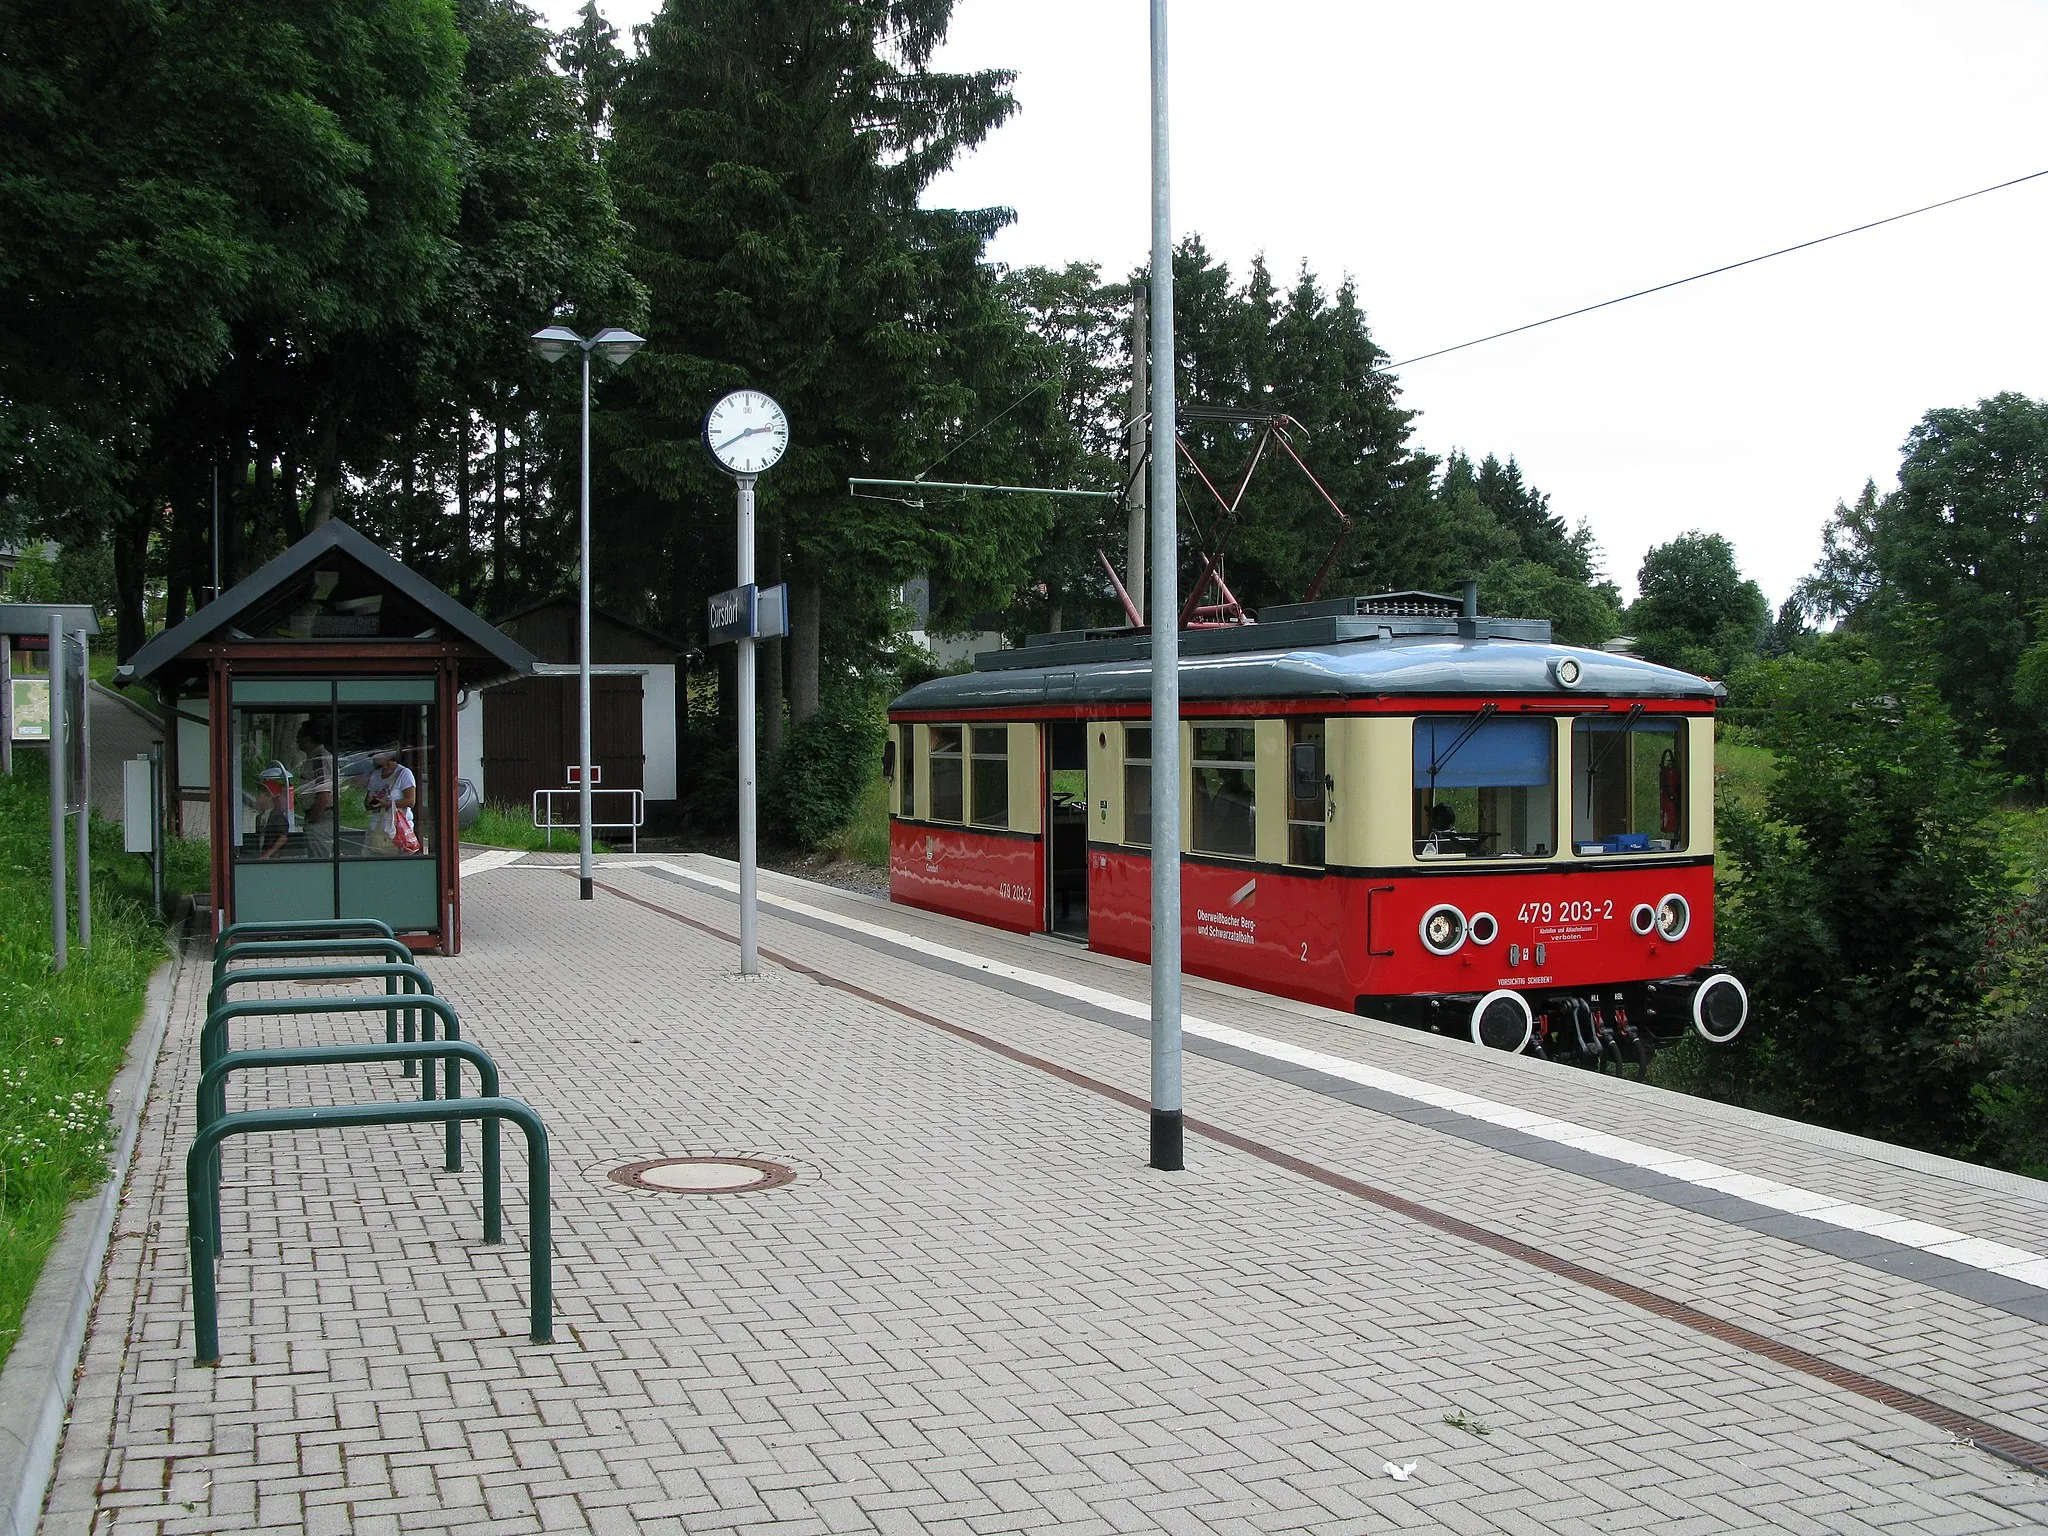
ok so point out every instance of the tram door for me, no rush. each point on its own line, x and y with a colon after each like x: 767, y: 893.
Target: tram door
x: 1066, y: 845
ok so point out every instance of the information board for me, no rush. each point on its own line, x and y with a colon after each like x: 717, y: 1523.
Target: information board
x: 31, y: 708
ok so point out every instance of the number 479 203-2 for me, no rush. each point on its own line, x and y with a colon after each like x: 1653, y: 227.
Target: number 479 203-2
x: 1566, y: 912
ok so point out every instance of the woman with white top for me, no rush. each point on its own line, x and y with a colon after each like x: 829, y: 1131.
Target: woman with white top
x: 390, y: 793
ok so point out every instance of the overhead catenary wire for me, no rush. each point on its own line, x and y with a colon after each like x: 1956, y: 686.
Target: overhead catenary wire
x: 999, y: 415
x: 1750, y: 261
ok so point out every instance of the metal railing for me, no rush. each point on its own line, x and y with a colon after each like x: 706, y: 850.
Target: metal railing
x: 549, y: 825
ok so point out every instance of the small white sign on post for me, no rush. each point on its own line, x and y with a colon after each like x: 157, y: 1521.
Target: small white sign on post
x: 138, y: 806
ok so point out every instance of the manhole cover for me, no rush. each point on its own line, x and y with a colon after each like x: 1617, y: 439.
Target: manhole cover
x: 703, y: 1175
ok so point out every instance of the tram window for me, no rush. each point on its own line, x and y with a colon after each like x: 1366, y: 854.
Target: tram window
x: 1628, y: 784
x: 1138, y: 785
x: 948, y: 803
x: 1485, y: 788
x: 907, y: 762
x: 1305, y: 798
x: 1226, y: 792
x: 991, y: 775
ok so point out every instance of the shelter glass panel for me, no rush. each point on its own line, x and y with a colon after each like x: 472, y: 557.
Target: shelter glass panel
x: 991, y: 775
x: 279, y: 891
x: 948, y: 793
x: 384, y: 763
x: 280, y: 801
x: 402, y: 892
x: 1484, y: 787
x: 1226, y: 802
x: 1629, y: 785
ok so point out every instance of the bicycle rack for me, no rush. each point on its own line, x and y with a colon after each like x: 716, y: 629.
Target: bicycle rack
x: 213, y: 1041
x: 213, y: 1104
x: 392, y: 950
x: 202, y: 1192
x: 333, y: 927
x: 416, y: 980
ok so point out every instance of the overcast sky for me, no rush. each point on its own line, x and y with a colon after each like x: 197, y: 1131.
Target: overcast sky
x: 1480, y: 164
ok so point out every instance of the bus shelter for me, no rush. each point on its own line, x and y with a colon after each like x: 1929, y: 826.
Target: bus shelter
x: 327, y: 685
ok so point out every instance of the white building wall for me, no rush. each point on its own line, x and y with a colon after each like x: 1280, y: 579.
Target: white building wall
x: 952, y: 650
x: 658, y: 732
x: 469, y: 740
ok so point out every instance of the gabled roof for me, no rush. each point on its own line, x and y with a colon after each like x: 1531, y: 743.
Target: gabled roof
x: 569, y: 599
x: 333, y: 536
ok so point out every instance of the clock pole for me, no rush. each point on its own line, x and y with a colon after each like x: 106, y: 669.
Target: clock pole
x: 750, y: 959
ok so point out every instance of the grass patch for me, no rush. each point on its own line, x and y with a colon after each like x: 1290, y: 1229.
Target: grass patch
x: 510, y: 826
x: 1743, y: 771
x: 62, y: 1037
x: 865, y: 837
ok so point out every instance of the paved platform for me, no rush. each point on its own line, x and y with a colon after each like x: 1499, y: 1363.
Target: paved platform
x: 1574, y: 1303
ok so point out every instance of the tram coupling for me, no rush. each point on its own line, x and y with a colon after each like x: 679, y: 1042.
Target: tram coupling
x: 1619, y: 1025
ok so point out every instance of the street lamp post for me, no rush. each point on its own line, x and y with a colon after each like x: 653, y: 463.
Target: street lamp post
x: 554, y: 343
x: 1166, y: 1043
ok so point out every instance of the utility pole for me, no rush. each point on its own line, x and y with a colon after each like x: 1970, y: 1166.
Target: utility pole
x: 1166, y: 1049
x: 1139, y: 438
x: 584, y: 874
x: 60, y: 907
x: 82, y: 728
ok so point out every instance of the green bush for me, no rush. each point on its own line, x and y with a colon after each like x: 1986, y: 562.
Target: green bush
x: 825, y: 764
x: 1865, y: 882
x: 2013, y: 1097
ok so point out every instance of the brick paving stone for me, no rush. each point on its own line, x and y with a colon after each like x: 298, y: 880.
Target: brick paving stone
x: 974, y: 1310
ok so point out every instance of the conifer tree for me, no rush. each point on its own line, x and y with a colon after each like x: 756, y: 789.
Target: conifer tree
x: 769, y: 157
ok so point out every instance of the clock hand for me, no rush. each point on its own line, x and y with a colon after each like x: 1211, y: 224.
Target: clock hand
x: 748, y: 432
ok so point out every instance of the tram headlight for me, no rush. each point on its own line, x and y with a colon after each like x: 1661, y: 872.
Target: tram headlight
x: 1674, y: 916
x: 1482, y: 928
x: 1643, y: 921
x: 1720, y: 1007
x: 1567, y: 671
x: 1442, y: 929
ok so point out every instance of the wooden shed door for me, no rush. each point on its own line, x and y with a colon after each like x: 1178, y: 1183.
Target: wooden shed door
x: 530, y: 736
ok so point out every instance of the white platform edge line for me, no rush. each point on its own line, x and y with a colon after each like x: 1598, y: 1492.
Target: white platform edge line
x: 1846, y: 1214
x: 1976, y: 1176
x: 494, y: 858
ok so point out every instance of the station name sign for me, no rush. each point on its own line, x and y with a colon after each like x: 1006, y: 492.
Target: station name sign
x: 749, y: 613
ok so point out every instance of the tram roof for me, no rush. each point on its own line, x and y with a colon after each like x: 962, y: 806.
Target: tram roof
x: 1337, y: 658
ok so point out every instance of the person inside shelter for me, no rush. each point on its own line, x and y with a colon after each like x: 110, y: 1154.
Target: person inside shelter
x: 390, y: 792
x: 273, y: 811
x: 316, y: 791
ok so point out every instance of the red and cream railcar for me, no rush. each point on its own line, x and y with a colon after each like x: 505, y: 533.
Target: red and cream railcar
x: 1388, y: 805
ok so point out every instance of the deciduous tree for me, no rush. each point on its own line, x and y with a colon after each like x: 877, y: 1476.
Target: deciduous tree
x: 1694, y: 609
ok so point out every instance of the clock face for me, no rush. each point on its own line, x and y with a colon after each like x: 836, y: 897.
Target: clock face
x: 746, y: 432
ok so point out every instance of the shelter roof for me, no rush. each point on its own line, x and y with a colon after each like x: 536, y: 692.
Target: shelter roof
x: 34, y: 618
x: 541, y: 639
x: 299, y: 596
